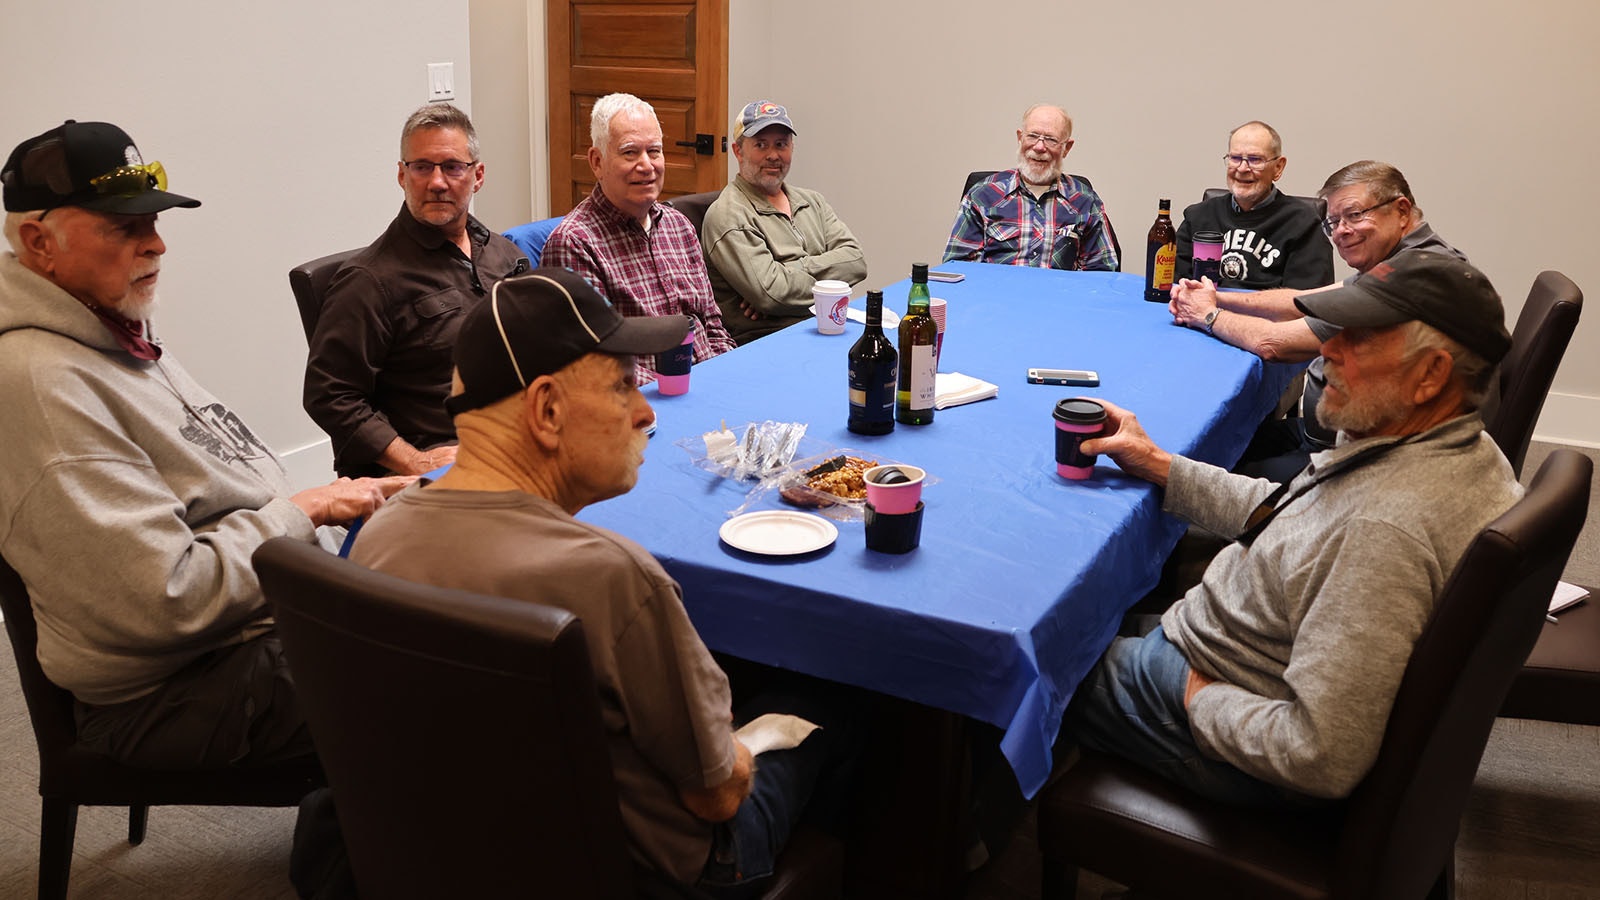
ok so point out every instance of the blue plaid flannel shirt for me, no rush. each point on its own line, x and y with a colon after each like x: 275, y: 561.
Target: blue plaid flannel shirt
x: 1001, y: 222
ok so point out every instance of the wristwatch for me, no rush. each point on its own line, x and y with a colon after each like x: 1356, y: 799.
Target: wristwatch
x: 1211, y: 318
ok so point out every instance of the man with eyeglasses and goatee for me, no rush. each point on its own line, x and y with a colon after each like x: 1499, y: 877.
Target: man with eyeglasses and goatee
x: 131, y: 498
x: 1371, y: 216
x: 1269, y: 239
x: 379, y: 367
x: 1035, y: 215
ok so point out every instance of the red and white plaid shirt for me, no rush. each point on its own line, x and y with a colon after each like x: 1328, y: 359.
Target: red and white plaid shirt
x: 659, y: 272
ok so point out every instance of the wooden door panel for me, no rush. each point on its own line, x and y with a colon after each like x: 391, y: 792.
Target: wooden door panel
x: 673, y: 55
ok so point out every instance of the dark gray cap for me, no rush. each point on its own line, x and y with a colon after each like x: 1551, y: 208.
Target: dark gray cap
x: 1420, y: 285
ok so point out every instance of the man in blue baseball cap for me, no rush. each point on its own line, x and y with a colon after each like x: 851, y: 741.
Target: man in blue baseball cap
x: 769, y: 242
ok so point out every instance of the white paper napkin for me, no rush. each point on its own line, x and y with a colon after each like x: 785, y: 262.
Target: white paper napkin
x: 891, y: 319
x: 953, y: 389
x: 774, y: 731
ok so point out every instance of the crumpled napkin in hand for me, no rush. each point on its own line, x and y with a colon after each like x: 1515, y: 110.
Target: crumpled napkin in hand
x: 774, y: 731
x: 954, y: 389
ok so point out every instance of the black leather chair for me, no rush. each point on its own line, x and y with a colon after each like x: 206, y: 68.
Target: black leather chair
x: 70, y: 777
x: 974, y: 177
x: 1395, y: 836
x: 694, y: 206
x: 462, y: 738
x: 1561, y: 680
x: 1544, y: 327
x: 310, y: 280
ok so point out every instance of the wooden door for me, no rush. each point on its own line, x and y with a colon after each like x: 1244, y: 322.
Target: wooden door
x: 673, y: 54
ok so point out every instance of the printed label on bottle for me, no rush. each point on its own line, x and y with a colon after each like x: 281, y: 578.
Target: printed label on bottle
x: 1166, y: 261
x: 923, y: 367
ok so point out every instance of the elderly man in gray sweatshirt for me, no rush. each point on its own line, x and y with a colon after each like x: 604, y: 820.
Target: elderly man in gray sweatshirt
x: 1270, y: 682
x: 131, y: 498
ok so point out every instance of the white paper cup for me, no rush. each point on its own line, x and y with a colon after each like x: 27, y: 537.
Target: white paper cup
x: 832, y: 299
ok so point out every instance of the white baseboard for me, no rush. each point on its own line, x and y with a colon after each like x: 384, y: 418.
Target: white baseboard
x: 1569, y: 419
x: 310, y: 465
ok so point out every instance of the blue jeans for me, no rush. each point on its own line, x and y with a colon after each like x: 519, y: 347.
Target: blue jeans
x: 1131, y: 705
x: 812, y: 780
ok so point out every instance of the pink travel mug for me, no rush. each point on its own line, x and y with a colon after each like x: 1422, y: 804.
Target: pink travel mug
x: 672, y: 367
x: 1207, y: 255
x: 1076, y: 419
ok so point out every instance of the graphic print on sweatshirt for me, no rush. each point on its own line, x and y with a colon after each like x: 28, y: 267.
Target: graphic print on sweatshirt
x: 215, y: 429
x: 1240, y: 246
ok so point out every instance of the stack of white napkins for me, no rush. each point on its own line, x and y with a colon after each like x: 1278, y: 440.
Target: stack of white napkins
x: 953, y: 389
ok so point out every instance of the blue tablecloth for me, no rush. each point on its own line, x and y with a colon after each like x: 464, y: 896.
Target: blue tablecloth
x: 1022, y: 576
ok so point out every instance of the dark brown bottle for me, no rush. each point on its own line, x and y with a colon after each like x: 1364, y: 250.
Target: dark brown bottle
x: 873, y: 363
x: 1161, y: 256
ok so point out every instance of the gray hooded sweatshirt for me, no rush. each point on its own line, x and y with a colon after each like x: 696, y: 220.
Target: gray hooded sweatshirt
x: 130, y: 499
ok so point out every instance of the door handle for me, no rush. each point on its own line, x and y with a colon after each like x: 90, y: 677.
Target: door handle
x: 703, y: 144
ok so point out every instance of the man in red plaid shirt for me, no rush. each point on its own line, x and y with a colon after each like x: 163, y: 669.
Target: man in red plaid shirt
x: 639, y: 253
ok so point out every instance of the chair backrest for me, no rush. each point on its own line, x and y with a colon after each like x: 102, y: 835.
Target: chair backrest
x: 694, y: 206
x: 310, y: 280
x: 1544, y: 327
x: 49, y: 707
x: 1400, y: 828
x: 974, y: 177
x: 461, y: 733
x: 531, y: 237
x: 1317, y: 203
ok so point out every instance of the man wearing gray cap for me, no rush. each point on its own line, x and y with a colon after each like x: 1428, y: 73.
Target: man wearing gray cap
x: 131, y: 499
x: 768, y: 242
x: 1270, y: 682
x: 550, y: 420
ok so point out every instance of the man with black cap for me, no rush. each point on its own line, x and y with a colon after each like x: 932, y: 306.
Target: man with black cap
x: 767, y: 241
x: 1270, y: 682
x: 131, y: 499
x: 550, y: 420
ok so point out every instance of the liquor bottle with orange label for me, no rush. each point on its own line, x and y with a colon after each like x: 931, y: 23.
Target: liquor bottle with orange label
x: 1161, y: 256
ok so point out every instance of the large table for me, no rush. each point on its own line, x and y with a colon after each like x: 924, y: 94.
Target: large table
x: 1022, y: 576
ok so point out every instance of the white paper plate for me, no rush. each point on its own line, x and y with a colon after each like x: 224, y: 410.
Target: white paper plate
x: 778, y: 532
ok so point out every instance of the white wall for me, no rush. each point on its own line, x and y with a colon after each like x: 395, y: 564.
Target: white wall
x: 1488, y: 108
x: 283, y: 118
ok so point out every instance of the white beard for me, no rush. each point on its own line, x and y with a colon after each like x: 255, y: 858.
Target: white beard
x: 138, y: 310
x: 1037, y: 171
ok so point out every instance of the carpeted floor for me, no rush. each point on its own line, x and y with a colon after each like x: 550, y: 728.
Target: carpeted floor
x: 1531, y: 831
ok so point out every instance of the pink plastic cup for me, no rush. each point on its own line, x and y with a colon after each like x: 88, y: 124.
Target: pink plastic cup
x: 898, y: 497
x: 936, y: 309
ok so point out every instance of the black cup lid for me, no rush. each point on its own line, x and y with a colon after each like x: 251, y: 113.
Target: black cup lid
x: 1079, y: 411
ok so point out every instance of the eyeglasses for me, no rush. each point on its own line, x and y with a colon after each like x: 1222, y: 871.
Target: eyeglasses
x: 1253, y: 163
x: 128, y: 180
x: 1031, y: 138
x: 1353, y: 218
x: 453, y: 168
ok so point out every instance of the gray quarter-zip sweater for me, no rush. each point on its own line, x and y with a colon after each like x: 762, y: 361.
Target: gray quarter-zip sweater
x: 1309, y: 629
